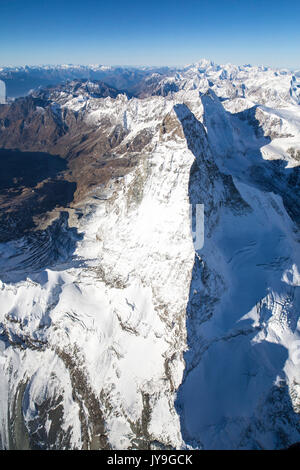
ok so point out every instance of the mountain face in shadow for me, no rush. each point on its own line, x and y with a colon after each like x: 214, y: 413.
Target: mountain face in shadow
x: 234, y: 393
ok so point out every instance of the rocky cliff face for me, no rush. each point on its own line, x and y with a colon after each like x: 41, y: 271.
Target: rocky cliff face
x: 117, y: 331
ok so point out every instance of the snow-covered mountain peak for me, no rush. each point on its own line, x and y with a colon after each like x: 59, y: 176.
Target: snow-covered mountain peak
x: 118, y: 330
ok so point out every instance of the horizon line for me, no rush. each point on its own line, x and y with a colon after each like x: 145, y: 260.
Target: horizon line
x: 137, y: 66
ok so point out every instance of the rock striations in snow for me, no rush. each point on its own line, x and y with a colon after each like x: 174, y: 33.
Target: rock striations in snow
x: 116, y: 330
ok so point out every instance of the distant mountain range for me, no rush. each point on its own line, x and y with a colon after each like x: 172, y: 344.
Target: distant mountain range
x: 20, y: 80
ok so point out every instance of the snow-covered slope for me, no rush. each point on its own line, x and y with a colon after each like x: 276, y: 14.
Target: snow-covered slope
x: 116, y: 330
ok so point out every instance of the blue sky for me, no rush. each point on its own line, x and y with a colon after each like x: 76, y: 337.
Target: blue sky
x: 149, y: 32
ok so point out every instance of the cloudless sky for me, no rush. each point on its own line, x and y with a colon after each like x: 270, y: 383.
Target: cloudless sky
x: 153, y: 32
